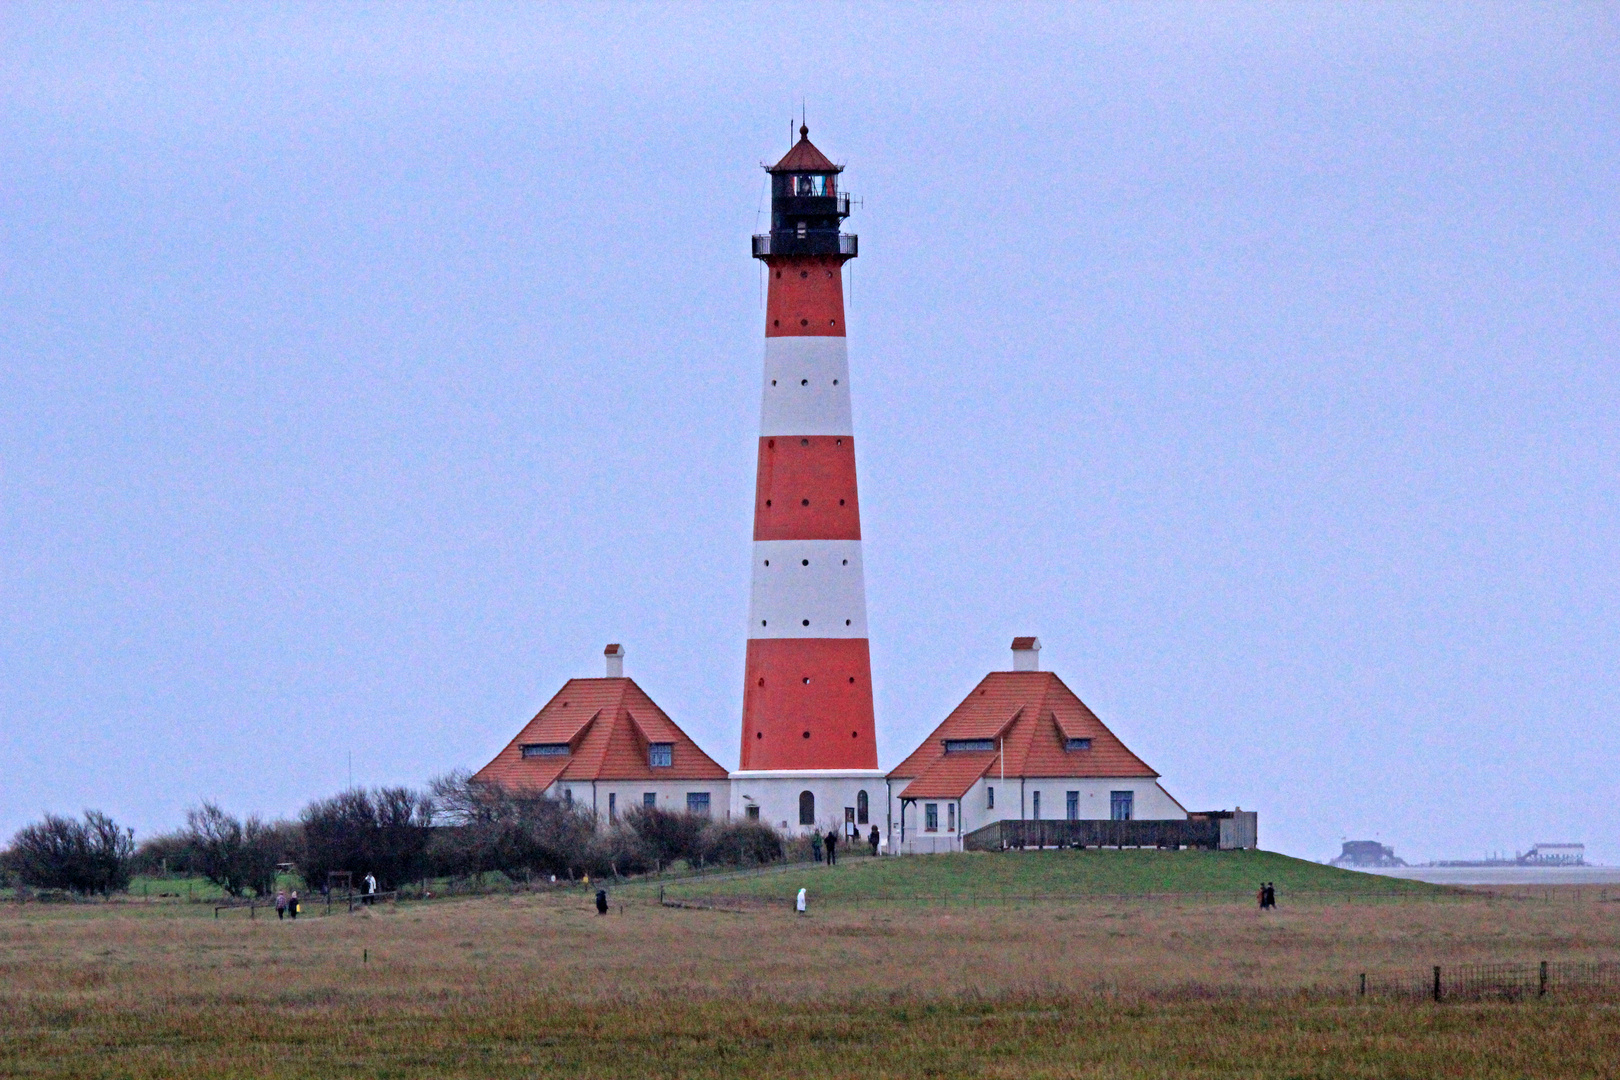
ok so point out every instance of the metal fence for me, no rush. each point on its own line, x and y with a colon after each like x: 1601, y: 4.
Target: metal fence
x: 1476, y: 982
x: 1013, y: 834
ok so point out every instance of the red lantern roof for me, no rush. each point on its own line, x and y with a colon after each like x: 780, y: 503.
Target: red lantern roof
x: 804, y: 157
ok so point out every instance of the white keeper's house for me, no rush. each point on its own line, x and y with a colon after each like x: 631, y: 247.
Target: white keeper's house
x: 1021, y: 746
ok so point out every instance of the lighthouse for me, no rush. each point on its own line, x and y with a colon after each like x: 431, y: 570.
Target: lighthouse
x: 809, y: 752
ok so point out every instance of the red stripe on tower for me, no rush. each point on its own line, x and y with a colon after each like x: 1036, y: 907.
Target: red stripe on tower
x: 807, y: 702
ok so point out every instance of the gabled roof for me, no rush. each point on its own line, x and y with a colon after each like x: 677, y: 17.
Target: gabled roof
x: 1030, y: 714
x: 607, y: 724
x: 804, y: 157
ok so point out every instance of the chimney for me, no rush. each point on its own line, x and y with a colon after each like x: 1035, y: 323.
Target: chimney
x: 1026, y: 653
x: 615, y: 661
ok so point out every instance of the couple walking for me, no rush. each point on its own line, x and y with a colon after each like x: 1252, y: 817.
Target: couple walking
x: 286, y: 905
x: 1267, y: 895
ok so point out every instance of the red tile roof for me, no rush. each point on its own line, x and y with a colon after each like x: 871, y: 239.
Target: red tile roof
x: 804, y: 157
x: 1021, y: 643
x: 1030, y: 714
x: 607, y: 724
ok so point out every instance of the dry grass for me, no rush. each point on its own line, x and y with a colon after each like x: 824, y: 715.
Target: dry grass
x: 540, y: 985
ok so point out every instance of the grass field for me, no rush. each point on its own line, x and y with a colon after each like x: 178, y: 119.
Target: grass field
x: 1104, y: 985
x: 998, y: 877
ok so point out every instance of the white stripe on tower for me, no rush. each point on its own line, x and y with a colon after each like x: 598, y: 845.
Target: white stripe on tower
x: 806, y: 387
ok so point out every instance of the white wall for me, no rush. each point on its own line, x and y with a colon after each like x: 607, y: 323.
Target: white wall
x: 671, y: 795
x: 1014, y: 800
x: 776, y: 793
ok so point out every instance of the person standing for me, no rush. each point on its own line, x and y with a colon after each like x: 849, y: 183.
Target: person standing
x: 874, y: 839
x: 1260, y: 896
x: 815, y: 845
x: 800, y: 903
x: 832, y: 847
x: 1271, y: 894
x: 281, y: 904
x: 371, y: 888
x: 601, y: 902
x: 292, y: 905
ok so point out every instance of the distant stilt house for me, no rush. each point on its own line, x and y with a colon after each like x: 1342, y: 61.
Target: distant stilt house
x: 604, y: 744
x: 1021, y: 746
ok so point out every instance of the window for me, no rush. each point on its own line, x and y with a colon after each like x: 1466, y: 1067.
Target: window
x: 931, y: 816
x: 753, y: 813
x: 1077, y: 744
x: 697, y: 802
x: 1072, y: 807
x: 969, y: 746
x: 650, y: 800
x: 863, y: 814
x: 660, y: 755
x: 807, y: 808
x: 1037, y: 801
x: 546, y: 749
x: 613, y: 807
x: 568, y: 796
x: 989, y: 798
x: 1120, y: 804
x: 950, y: 814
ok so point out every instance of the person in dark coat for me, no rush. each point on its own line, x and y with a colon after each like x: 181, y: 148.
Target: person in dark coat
x: 601, y: 901
x: 1271, y: 894
x: 832, y: 847
x: 292, y: 905
x: 874, y: 839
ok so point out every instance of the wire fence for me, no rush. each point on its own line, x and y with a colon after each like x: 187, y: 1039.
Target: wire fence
x: 1477, y: 982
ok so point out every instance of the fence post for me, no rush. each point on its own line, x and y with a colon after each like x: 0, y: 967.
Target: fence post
x: 1543, y: 991
x: 1437, y: 982
x: 1363, y: 984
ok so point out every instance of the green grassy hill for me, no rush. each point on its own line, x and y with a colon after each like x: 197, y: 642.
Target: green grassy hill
x: 992, y: 876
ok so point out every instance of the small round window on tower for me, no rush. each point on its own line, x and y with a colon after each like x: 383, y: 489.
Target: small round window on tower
x: 807, y: 680
x: 762, y: 680
x: 804, y: 322
x: 804, y: 273
x: 804, y: 562
x: 840, y: 502
x: 807, y: 622
x: 804, y: 502
x: 804, y: 442
x: 803, y: 382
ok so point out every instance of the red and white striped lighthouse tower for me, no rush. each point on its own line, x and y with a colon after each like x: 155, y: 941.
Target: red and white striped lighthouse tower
x: 807, y: 703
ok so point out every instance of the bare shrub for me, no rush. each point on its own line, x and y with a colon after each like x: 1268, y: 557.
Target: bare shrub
x: 163, y: 854
x: 741, y: 843
x: 518, y: 833
x: 383, y: 832
x: 236, y: 855
x: 89, y: 856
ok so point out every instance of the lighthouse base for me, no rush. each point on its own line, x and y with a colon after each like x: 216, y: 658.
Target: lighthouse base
x: 798, y: 802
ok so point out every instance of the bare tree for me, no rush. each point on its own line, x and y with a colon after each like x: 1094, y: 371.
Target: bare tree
x: 84, y: 857
x: 235, y: 855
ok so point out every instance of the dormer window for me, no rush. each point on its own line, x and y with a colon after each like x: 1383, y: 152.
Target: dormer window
x: 1077, y: 744
x: 661, y: 755
x: 546, y: 749
x: 969, y: 746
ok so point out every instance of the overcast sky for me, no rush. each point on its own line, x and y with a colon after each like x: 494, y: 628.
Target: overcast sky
x: 363, y: 371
